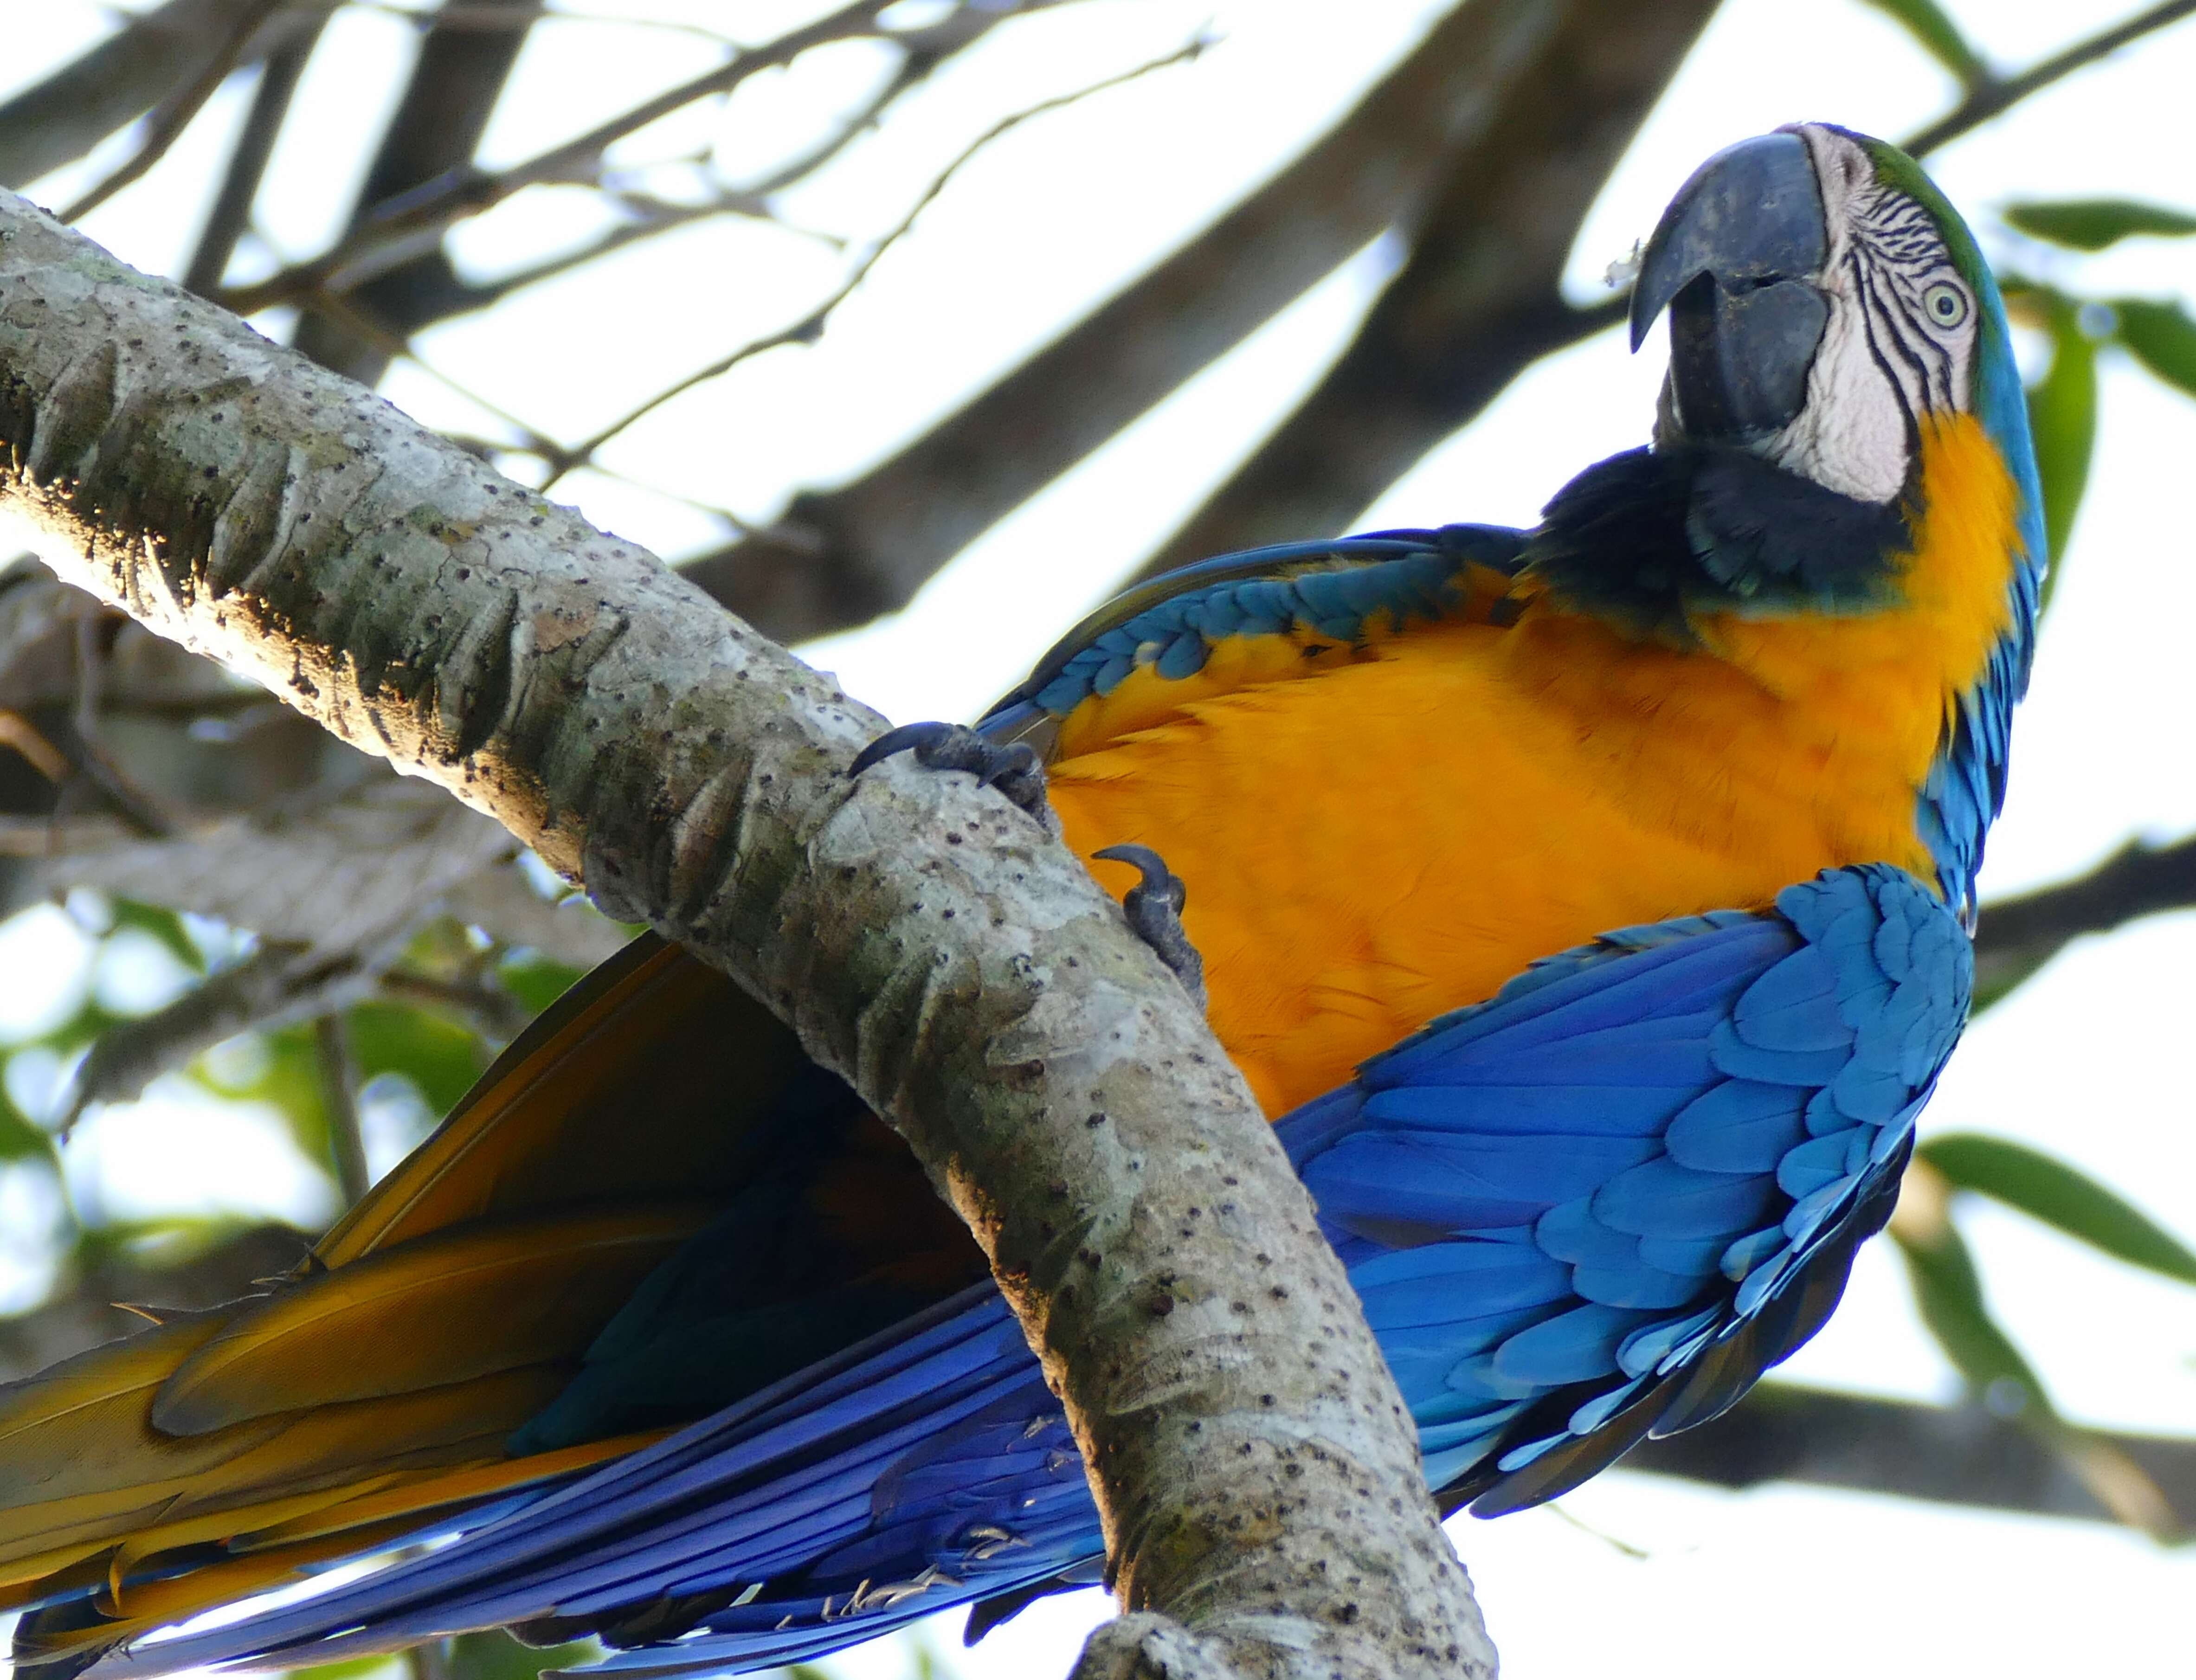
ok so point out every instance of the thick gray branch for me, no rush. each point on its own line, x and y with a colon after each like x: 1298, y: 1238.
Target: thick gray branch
x: 1257, y: 1477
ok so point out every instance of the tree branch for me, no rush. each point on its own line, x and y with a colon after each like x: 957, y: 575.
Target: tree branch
x: 1949, y: 1455
x: 1479, y: 300
x: 432, y: 135
x: 394, y: 227
x: 174, y: 112
x: 810, y: 327
x: 231, y: 214
x: 925, y: 938
x: 2017, y: 936
x: 1995, y: 95
x: 62, y: 118
x: 338, y: 1070
x: 839, y: 558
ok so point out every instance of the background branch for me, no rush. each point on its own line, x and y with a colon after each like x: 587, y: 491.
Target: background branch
x: 151, y: 57
x: 842, y: 556
x: 2017, y: 936
x: 1949, y: 1455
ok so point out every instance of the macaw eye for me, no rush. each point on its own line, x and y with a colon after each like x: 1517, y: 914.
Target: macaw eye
x: 1945, y: 304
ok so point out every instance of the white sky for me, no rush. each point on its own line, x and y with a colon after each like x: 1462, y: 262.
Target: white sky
x: 2091, y: 1060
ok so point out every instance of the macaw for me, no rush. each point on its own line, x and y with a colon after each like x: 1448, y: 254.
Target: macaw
x: 1589, y: 906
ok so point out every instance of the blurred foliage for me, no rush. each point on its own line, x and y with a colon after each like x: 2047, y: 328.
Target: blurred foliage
x: 2161, y: 337
x: 1939, y: 36
x: 2091, y: 224
x: 2062, y: 418
x: 2060, y: 1196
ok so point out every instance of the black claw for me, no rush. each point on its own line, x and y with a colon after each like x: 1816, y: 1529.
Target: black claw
x: 1154, y: 907
x: 1012, y: 768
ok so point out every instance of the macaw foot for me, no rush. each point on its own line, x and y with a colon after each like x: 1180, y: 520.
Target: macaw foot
x: 1154, y: 907
x: 1014, y: 769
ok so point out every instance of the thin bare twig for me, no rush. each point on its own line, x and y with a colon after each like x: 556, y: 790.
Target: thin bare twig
x: 1998, y: 95
x: 17, y: 731
x: 339, y: 307
x: 283, y: 982
x: 339, y: 1071
x: 59, y: 836
x: 137, y: 807
x: 486, y: 1007
x: 810, y: 327
x: 488, y: 18
x: 391, y: 235
x: 247, y: 165
x: 168, y: 123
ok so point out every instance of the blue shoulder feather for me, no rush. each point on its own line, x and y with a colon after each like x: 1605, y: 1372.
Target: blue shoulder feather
x: 1333, y: 589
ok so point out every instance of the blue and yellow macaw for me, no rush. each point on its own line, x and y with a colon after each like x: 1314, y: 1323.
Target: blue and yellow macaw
x: 1585, y: 903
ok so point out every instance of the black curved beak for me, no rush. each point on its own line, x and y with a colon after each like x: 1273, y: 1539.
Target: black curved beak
x: 1734, y: 260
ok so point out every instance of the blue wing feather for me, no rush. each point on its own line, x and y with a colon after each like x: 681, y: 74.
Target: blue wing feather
x: 1558, y: 1259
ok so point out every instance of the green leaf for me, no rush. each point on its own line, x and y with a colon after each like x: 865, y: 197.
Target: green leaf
x: 356, y: 1668
x: 1938, y: 36
x: 2062, y: 418
x: 2067, y: 1200
x: 1948, y: 1292
x: 2161, y: 337
x: 436, y: 1054
x: 495, y: 1655
x: 2091, y: 224
x: 163, y: 925
x: 535, y: 981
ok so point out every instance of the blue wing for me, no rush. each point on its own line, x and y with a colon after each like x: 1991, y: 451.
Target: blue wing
x: 1597, y: 1206
x: 1601, y: 1204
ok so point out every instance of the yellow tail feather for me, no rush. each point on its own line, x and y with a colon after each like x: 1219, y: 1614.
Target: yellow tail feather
x: 633, y: 1085
x: 446, y: 1307
x: 380, y: 1383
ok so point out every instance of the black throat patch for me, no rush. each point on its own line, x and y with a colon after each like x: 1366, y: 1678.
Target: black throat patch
x: 1649, y: 536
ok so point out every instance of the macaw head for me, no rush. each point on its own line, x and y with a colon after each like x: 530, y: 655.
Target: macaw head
x: 1842, y: 437
x: 1826, y: 306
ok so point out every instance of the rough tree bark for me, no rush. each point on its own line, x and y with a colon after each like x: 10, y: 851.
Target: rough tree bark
x: 1257, y: 1477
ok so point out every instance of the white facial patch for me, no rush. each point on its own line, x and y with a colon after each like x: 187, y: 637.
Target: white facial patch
x: 1900, y: 340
